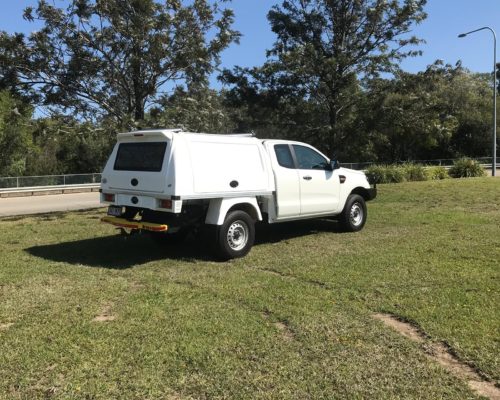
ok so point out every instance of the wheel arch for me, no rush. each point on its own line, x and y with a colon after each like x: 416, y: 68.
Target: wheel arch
x: 363, y: 192
x: 219, y: 208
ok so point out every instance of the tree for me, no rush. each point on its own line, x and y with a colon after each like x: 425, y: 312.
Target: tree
x: 442, y: 112
x: 198, y: 109
x: 15, y: 134
x: 63, y: 145
x: 323, y: 48
x: 468, y: 96
x: 116, y: 57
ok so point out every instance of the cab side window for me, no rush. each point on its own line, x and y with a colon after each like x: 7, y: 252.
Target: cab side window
x: 284, y: 156
x: 307, y: 158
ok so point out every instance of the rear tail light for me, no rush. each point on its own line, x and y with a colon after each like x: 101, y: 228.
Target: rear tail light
x: 109, y: 197
x: 165, y: 203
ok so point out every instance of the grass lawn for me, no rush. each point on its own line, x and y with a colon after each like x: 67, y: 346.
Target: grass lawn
x: 87, y: 314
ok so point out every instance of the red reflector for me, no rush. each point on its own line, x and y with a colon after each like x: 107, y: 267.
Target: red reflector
x: 109, y: 197
x: 165, y: 203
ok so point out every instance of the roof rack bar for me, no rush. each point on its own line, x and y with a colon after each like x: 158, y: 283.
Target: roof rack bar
x: 251, y: 134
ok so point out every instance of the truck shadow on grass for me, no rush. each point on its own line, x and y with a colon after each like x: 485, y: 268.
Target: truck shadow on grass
x: 117, y: 252
x: 121, y: 252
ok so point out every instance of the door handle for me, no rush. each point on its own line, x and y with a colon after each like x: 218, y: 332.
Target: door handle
x: 307, y: 178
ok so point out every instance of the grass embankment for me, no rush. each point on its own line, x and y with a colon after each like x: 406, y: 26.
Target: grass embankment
x: 291, y: 320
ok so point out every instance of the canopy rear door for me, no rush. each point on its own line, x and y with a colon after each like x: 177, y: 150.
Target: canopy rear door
x: 140, y: 165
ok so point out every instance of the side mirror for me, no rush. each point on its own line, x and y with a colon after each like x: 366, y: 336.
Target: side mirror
x: 334, y: 164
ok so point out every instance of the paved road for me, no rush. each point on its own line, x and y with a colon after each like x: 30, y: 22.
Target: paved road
x: 49, y: 203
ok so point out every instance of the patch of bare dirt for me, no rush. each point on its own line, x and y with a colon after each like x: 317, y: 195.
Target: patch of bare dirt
x: 441, y: 354
x: 5, y: 326
x: 136, y: 286
x: 105, y: 315
x: 403, y: 328
x: 286, y: 332
x: 176, y: 396
x: 282, y: 326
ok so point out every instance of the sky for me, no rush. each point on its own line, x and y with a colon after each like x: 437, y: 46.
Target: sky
x: 446, y: 19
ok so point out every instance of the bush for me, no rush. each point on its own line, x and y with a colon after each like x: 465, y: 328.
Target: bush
x: 414, y: 172
x: 395, y: 174
x: 436, y: 173
x: 408, y: 172
x: 376, y: 174
x: 466, y: 168
x: 385, y: 174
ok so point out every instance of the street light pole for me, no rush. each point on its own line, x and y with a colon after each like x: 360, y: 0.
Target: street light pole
x: 494, y: 163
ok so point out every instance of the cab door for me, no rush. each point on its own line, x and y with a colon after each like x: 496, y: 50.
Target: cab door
x: 286, y: 178
x: 319, y: 186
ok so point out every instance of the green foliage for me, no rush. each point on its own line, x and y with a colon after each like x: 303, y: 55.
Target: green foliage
x: 385, y: 174
x: 15, y: 135
x: 65, y: 146
x: 407, y: 172
x: 113, y: 58
x: 414, y: 172
x: 322, y: 48
x: 442, y: 112
x: 395, y: 174
x: 436, y: 173
x: 469, y: 98
x: 405, y: 115
x: 466, y: 168
x: 197, y: 110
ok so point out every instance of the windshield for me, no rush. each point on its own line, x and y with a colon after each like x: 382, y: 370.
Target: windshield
x: 145, y: 156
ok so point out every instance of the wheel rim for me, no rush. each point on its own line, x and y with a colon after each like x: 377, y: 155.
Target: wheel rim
x: 356, y: 214
x: 237, y: 235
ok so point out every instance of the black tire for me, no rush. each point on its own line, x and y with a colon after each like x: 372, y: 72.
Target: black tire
x: 235, y: 237
x: 353, y: 216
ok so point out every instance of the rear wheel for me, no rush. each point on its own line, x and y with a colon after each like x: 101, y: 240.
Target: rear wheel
x: 353, y: 216
x: 235, y: 237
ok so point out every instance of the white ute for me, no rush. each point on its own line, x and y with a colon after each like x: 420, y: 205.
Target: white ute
x: 170, y: 182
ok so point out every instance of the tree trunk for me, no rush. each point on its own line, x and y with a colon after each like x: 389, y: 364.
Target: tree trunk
x: 138, y: 85
x: 139, y: 110
x: 332, y: 134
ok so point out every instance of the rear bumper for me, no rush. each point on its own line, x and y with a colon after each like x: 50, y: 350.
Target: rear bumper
x: 371, y: 193
x: 124, y: 223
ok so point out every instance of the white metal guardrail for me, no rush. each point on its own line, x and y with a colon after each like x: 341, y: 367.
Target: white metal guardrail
x: 46, y: 190
x: 48, y: 181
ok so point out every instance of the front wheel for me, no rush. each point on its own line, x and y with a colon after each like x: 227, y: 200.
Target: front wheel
x: 353, y: 216
x: 235, y: 237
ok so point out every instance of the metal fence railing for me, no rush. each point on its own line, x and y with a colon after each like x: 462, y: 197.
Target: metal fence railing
x: 17, y: 182
x: 445, y: 162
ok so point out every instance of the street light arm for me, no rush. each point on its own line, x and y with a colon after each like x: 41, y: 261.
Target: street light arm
x: 477, y: 30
